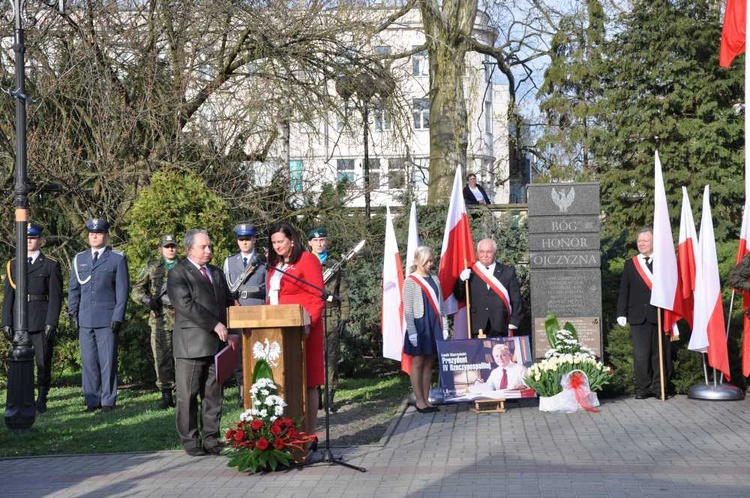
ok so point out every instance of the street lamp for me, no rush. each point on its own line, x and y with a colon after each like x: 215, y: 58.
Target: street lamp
x: 20, y: 409
x: 364, y: 87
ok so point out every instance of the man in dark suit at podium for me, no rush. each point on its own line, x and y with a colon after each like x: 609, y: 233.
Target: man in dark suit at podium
x: 200, y: 296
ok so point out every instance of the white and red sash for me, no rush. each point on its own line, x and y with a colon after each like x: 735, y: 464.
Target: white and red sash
x: 643, y: 271
x: 429, y: 292
x: 484, y: 273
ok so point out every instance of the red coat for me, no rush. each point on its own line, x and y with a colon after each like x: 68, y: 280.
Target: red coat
x: 308, y: 268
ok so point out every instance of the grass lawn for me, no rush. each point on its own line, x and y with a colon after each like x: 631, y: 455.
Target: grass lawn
x: 137, y: 424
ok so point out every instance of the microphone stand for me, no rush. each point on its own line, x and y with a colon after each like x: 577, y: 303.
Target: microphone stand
x: 328, y: 456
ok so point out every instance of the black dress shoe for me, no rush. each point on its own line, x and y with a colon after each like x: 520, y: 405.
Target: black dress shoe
x: 643, y: 395
x: 195, y: 451
x: 213, y: 450
x: 428, y: 409
x: 91, y: 409
x: 107, y: 409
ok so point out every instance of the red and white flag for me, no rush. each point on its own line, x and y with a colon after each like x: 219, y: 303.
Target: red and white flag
x: 708, y: 327
x: 665, y: 292
x: 687, y: 251
x: 392, y: 305
x: 733, y: 31
x: 412, y: 240
x: 457, y: 254
x: 741, y: 252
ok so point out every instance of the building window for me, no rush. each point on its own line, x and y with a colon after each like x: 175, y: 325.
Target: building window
x: 296, y: 168
x: 381, y: 118
x: 421, y: 113
x: 384, y: 50
x: 374, y: 165
x: 345, y: 171
x: 420, y: 173
x: 419, y: 64
x: 396, y: 172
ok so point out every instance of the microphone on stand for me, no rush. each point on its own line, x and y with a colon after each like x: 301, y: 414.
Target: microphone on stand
x: 325, y: 295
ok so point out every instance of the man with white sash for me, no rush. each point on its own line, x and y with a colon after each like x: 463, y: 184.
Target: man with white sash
x: 495, y: 297
x: 634, y: 308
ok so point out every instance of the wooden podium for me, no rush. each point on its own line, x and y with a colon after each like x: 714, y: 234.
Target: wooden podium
x: 272, y: 327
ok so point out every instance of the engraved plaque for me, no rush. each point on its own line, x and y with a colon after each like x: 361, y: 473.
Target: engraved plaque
x: 588, y: 328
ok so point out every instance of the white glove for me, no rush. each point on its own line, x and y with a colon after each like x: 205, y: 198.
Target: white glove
x: 622, y: 321
x: 465, y: 274
x: 413, y: 339
x: 445, y: 334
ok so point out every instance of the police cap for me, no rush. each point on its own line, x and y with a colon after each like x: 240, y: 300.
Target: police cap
x: 97, y: 225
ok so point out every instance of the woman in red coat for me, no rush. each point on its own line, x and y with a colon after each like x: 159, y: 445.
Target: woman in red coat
x: 286, y: 252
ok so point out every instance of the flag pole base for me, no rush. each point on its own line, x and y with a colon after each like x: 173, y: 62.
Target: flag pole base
x: 716, y: 392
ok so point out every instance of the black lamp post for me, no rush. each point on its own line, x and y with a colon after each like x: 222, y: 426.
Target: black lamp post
x: 20, y: 410
x: 364, y: 87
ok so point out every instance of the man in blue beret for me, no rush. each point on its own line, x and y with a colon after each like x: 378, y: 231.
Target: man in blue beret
x: 44, y: 288
x: 337, y: 312
x: 246, y: 277
x: 97, y: 296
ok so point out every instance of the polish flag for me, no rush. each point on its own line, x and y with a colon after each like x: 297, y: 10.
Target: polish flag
x: 457, y: 254
x: 665, y: 292
x: 412, y: 240
x: 733, y: 31
x: 742, y: 251
x: 708, y: 327
x: 687, y: 251
x: 392, y: 305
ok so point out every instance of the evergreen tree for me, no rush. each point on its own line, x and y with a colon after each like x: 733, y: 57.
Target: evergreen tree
x: 569, y: 93
x: 664, y: 90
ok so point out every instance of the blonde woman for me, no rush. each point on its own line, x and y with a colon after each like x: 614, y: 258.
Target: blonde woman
x: 425, y: 324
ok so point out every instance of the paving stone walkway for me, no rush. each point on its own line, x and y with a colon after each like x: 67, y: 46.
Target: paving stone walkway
x: 648, y: 448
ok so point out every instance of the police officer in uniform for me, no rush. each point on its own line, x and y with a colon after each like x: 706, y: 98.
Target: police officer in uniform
x: 151, y: 291
x: 246, y: 271
x: 45, y: 302
x: 338, y: 312
x: 97, y: 296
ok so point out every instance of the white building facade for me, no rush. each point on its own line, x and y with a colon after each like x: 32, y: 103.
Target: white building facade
x: 332, y: 150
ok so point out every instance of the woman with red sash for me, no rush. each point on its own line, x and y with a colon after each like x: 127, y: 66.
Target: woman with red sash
x: 425, y: 324
x: 286, y: 253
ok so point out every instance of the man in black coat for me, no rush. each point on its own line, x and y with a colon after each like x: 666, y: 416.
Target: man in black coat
x: 200, y: 296
x: 634, y: 307
x: 496, y: 307
x: 45, y: 302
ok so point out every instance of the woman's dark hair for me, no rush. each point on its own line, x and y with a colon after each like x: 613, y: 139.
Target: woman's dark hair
x: 291, y: 234
x: 468, y: 177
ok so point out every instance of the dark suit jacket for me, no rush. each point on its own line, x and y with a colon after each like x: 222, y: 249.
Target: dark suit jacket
x: 469, y: 195
x: 487, y: 305
x: 199, y: 307
x: 635, y: 296
x: 44, y: 279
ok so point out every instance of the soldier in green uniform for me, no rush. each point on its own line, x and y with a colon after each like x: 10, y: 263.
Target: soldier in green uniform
x: 151, y: 291
x: 337, y: 313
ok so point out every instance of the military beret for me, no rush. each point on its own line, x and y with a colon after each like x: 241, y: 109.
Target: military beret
x: 97, y: 225
x: 245, y: 230
x: 167, y: 240
x: 33, y: 230
x: 317, y: 233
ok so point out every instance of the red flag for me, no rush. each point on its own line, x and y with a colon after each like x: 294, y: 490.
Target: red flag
x: 392, y: 304
x: 687, y: 250
x: 741, y: 252
x: 733, y: 32
x: 709, y: 326
x: 665, y: 292
x: 457, y: 254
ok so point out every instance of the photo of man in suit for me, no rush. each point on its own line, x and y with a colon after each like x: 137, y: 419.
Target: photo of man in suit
x: 496, y: 305
x: 45, y: 296
x: 634, y: 308
x: 97, y: 296
x: 199, y: 294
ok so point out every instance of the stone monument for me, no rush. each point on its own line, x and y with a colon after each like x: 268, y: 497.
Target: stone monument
x: 565, y: 261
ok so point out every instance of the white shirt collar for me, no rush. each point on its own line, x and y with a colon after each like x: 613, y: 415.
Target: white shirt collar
x: 33, y: 255
x: 100, y: 251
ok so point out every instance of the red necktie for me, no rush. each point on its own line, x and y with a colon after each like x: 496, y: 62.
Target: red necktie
x: 504, y: 380
x: 205, y: 275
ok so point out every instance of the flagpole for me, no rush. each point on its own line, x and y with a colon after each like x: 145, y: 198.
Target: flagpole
x: 468, y: 303
x: 661, y: 355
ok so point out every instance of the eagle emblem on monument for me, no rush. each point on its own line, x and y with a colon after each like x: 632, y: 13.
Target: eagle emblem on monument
x: 563, y: 200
